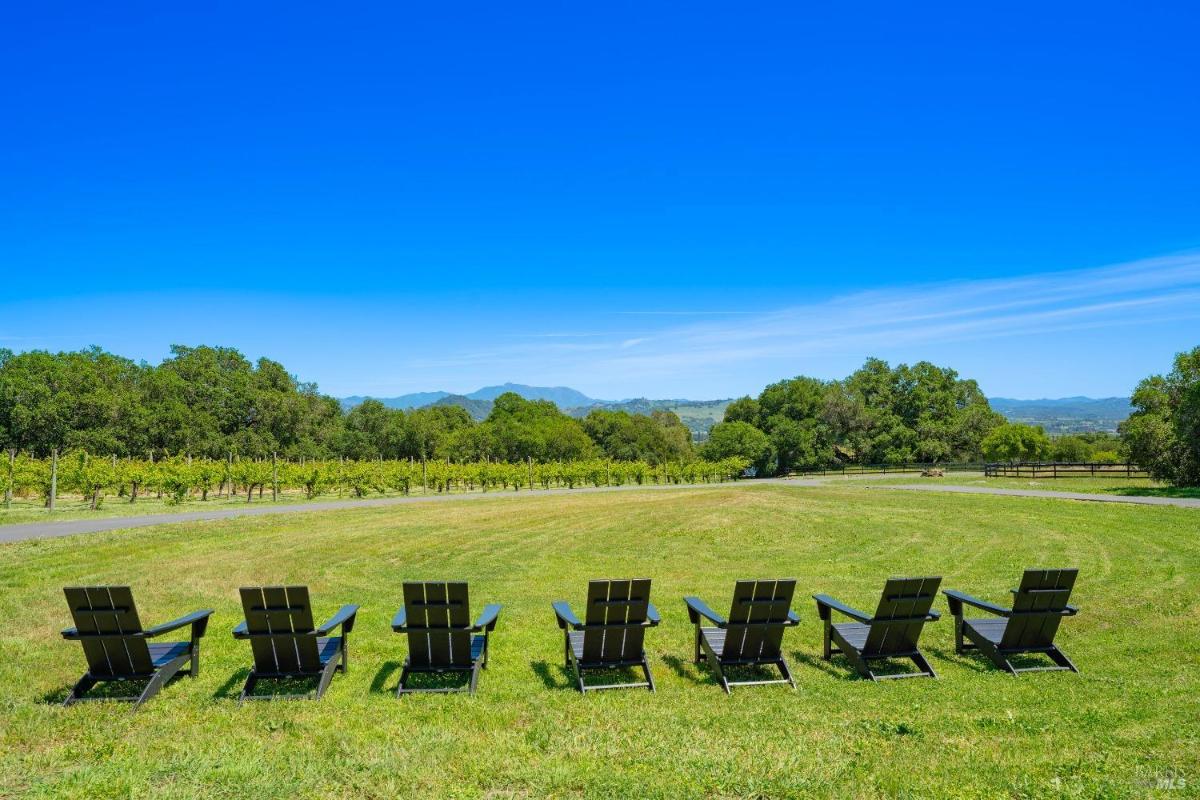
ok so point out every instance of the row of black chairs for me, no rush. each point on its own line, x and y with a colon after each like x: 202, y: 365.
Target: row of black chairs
x: 442, y: 638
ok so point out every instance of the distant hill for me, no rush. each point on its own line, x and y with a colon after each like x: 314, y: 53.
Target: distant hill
x: 478, y: 409
x: 561, y: 396
x: 1066, y: 414
x: 1056, y: 415
x: 698, y: 415
x: 404, y: 401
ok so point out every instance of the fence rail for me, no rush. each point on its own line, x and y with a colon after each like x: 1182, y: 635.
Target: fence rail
x: 1064, y: 469
x: 886, y: 469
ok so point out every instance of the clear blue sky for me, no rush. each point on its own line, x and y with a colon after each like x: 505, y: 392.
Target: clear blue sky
x: 626, y: 198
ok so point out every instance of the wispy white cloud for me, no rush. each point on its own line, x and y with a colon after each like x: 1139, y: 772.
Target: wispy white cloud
x: 862, y: 323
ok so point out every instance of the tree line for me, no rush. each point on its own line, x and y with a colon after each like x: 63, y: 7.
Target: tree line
x: 879, y: 414
x: 212, y: 402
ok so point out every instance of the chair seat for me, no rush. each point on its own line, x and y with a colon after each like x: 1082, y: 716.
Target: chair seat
x: 327, y: 647
x: 989, y: 629
x: 576, y: 639
x: 162, y: 652
x: 714, y: 638
x: 854, y: 634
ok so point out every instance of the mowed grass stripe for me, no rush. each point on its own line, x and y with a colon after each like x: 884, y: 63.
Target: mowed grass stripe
x: 1127, y: 718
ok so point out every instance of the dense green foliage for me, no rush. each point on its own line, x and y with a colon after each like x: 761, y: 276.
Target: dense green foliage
x: 213, y: 402
x: 1163, y: 434
x: 180, y: 478
x: 1121, y: 727
x: 1014, y: 441
x: 879, y: 414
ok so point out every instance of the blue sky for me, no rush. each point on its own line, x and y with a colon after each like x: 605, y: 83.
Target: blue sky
x: 628, y: 199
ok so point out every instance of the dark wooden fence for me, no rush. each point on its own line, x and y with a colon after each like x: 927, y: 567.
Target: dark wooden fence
x: 1064, y: 469
x: 887, y: 469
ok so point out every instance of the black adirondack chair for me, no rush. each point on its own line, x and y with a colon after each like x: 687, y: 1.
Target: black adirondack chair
x: 118, y: 648
x: 279, y: 626
x: 753, y: 634
x: 437, y: 619
x: 612, y: 635
x: 892, y: 632
x: 1039, y: 605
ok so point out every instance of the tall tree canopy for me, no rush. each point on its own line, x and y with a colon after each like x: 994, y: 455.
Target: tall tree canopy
x: 1163, y: 433
x: 879, y: 414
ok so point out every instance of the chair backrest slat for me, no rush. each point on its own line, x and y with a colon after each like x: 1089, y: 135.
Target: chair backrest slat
x: 107, y: 621
x: 281, y: 621
x: 613, y: 620
x: 438, y: 614
x: 900, y: 615
x: 1038, y: 606
x: 757, y: 619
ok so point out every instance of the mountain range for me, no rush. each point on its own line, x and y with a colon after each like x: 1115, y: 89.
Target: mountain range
x: 1056, y: 415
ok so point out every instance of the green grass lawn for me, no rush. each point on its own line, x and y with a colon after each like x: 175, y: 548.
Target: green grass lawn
x: 1138, y: 487
x: 1128, y: 720
x: 33, y: 509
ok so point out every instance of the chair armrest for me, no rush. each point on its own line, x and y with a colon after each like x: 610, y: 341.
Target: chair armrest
x: 956, y: 599
x: 652, y: 615
x: 793, y: 618
x: 566, y: 617
x: 487, y: 620
x: 344, y: 617
x: 826, y: 604
x: 70, y: 633
x: 400, y: 620
x: 697, y: 608
x: 241, y: 631
x: 1070, y: 611
x: 197, y: 619
x: 933, y: 616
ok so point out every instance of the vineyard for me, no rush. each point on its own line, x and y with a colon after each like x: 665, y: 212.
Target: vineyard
x: 180, y: 479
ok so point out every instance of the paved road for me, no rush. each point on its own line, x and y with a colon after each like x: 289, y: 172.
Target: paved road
x: 42, y: 530
x: 1183, y: 502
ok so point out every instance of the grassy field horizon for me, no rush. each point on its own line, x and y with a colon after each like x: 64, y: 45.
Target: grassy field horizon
x: 1114, y: 730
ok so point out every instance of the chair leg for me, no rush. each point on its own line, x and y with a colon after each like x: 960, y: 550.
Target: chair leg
x: 787, y: 672
x: 716, y: 665
x: 1060, y: 658
x: 80, y: 689
x: 474, y: 678
x: 923, y: 665
x: 646, y: 669
x: 699, y: 653
x: 958, y: 635
x: 403, y: 678
x: 327, y: 675
x: 827, y: 650
x: 248, y: 688
x: 345, y: 659
x: 159, y: 679
x: 194, y: 667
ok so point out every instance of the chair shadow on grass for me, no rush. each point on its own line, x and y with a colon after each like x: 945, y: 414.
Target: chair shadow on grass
x: 105, y: 690
x: 695, y: 673
x: 382, y: 683
x: 266, y: 689
x: 559, y: 677
x: 971, y: 659
x: 231, y: 689
x: 842, y: 671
